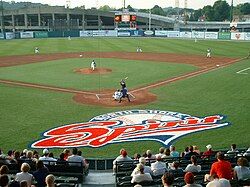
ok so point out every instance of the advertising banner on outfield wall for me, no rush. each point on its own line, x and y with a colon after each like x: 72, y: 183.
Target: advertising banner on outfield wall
x: 247, y: 35
x: 185, y: 34
x: 41, y: 34
x: 173, y: 34
x: 86, y: 33
x: 161, y: 33
x: 26, y: 34
x: 149, y: 33
x: 237, y: 35
x: 123, y: 33
x: 211, y: 35
x: 136, y: 33
x: 1, y: 36
x: 9, y: 35
x: 198, y: 35
x: 224, y: 36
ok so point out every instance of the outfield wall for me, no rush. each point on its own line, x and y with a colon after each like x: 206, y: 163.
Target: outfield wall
x: 130, y: 33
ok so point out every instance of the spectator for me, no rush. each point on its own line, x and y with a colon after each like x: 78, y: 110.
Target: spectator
x: 23, y: 183
x: 189, y: 180
x: 167, y: 179
x: 166, y: 153
x: 66, y: 153
x: 4, y: 180
x: 216, y: 182
x: 40, y: 173
x: 221, y: 168
x: 79, y: 160
x: 161, y: 152
x: 209, y: 152
x: 173, y: 152
x: 147, y: 169
x: 60, y: 160
x: 137, y: 156
x: 196, y: 149
x: 186, y: 151
x: 175, y: 169
x: 141, y: 177
x: 16, y: 158
x: 150, y: 155
x: 190, y: 153
x: 247, y: 153
x: 46, y: 159
x: 4, y: 170
x: 122, y: 157
x: 232, y: 152
x: 158, y: 167
x: 23, y: 154
x: 24, y: 174
x: 242, y: 171
x: 50, y: 181
x: 194, y: 167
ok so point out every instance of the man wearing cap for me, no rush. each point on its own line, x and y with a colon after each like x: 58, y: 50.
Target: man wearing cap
x: 147, y: 169
x: 46, y: 159
x: 189, y: 180
x: 209, y: 152
x: 141, y: 176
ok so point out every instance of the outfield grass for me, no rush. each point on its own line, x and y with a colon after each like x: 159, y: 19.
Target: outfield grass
x: 25, y: 112
x: 164, y: 45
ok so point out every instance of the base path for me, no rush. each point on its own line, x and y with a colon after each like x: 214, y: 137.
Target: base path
x: 139, y: 95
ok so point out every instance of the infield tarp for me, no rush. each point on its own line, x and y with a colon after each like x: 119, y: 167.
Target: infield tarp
x: 224, y: 36
x: 237, y: 36
x: 41, y: 34
x: 247, y: 36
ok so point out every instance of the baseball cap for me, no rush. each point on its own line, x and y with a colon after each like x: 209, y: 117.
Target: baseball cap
x: 45, y: 151
x: 209, y: 146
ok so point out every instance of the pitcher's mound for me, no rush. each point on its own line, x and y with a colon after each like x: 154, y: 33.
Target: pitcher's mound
x: 90, y: 71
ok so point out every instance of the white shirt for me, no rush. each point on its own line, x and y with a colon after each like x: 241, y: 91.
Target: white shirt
x: 45, y: 160
x: 117, y: 95
x: 24, y: 176
x: 193, y: 168
x: 147, y: 169
x: 242, y: 172
x: 141, y: 177
x: 219, y: 183
x: 158, y: 168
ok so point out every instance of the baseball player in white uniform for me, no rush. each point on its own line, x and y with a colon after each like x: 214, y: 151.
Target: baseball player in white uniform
x: 36, y: 50
x: 117, y: 95
x: 93, y: 65
x: 208, y: 53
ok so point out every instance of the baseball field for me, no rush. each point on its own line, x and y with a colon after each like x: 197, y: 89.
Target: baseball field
x: 56, y: 87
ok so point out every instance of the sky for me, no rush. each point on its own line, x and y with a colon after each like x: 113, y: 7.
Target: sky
x: 140, y: 4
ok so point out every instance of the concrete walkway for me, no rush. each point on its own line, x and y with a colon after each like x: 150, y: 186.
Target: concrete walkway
x: 99, y: 179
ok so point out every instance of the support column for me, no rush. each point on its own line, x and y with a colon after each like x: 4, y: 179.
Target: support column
x: 39, y: 19
x: 99, y: 22
x: 83, y: 22
x: 26, y: 20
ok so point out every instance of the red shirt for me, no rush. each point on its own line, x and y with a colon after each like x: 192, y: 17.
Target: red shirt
x: 222, y: 169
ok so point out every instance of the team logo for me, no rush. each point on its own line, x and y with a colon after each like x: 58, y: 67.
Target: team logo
x: 129, y: 125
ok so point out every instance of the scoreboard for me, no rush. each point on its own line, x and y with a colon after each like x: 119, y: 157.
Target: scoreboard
x: 125, y: 20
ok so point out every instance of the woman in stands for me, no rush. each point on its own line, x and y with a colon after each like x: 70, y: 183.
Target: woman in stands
x: 50, y: 181
x: 24, y: 174
x: 242, y: 171
x: 167, y: 179
x: 194, y: 167
x: 141, y: 177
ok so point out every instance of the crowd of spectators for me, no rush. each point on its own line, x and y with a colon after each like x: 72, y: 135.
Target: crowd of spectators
x: 40, y: 177
x: 221, y: 170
